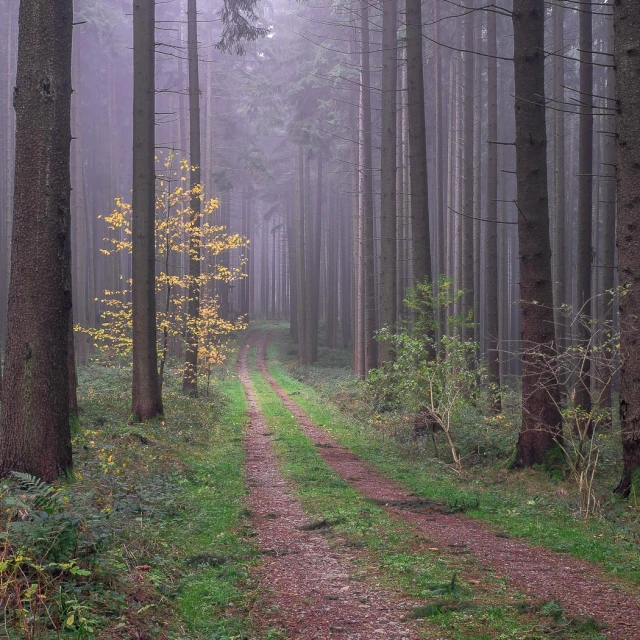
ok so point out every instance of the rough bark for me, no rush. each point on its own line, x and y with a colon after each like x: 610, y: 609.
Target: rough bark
x: 541, y: 420
x: 627, y: 77
x: 146, y: 394
x: 35, y: 435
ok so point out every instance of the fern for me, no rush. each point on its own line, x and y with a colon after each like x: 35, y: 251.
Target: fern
x: 45, y: 497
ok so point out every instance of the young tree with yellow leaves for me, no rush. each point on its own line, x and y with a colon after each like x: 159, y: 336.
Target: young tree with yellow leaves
x: 179, y: 233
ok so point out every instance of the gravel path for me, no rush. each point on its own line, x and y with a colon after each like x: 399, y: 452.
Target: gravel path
x: 306, y: 585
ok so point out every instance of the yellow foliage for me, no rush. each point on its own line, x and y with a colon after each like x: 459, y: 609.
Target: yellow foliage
x: 178, y: 231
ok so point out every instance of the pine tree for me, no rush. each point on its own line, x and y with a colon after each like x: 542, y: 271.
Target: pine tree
x: 35, y: 436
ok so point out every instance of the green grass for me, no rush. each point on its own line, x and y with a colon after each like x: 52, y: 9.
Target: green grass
x: 528, y: 504
x: 159, y: 511
x: 457, y: 597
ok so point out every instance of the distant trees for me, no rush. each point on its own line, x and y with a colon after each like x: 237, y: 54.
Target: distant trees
x: 35, y: 435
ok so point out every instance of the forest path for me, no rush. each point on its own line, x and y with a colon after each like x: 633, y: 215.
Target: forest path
x: 306, y: 586
x: 579, y: 586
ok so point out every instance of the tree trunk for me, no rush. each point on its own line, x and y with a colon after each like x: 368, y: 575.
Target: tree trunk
x: 585, y: 211
x: 35, y: 436
x: 541, y: 420
x: 466, y: 221
x: 366, y: 195
x: 559, y: 195
x: 608, y: 169
x: 346, y: 271
x: 492, y: 328
x: 417, y: 145
x: 388, y: 170
x: 300, y: 261
x: 146, y: 394
x: 190, y: 378
x: 627, y: 77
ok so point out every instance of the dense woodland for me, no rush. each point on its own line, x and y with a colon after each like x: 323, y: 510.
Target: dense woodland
x: 448, y: 191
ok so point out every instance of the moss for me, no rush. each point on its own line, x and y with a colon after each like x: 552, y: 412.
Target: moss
x: 555, y: 463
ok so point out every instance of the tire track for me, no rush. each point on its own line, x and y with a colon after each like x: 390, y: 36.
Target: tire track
x: 306, y: 587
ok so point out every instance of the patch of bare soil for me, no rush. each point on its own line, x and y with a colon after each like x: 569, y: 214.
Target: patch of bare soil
x: 306, y: 586
x: 579, y: 586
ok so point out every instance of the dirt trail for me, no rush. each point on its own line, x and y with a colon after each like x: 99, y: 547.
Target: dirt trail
x: 579, y: 586
x: 307, y: 587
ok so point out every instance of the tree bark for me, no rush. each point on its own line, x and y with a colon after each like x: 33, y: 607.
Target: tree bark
x: 366, y: 195
x: 627, y: 77
x: 146, y: 394
x: 585, y: 210
x: 421, y: 242
x: 559, y: 195
x: 35, y: 436
x: 492, y: 327
x: 541, y: 420
x: 190, y: 378
x: 466, y: 221
x: 388, y: 170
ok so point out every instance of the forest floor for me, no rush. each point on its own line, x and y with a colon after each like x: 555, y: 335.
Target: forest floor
x: 350, y: 553
x: 278, y: 505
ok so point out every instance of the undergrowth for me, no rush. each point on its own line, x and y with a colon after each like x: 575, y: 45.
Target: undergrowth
x: 144, y: 541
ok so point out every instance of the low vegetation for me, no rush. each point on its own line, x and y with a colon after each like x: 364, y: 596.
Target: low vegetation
x: 145, y: 539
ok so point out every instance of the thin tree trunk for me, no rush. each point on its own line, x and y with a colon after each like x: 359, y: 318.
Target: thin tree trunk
x: 541, y: 420
x: 301, y: 292
x: 35, y: 436
x: 608, y: 169
x: 190, y: 378
x: 585, y: 211
x: 346, y: 271
x: 466, y: 221
x: 492, y: 328
x: 366, y: 194
x: 417, y: 144
x: 388, y: 170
